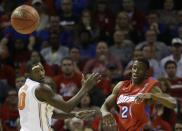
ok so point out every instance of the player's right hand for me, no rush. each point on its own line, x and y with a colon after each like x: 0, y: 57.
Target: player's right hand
x: 89, y: 82
x: 108, y: 122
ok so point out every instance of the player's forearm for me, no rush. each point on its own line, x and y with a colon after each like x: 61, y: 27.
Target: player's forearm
x: 74, y: 101
x: 62, y: 115
x: 165, y: 100
x: 104, y: 110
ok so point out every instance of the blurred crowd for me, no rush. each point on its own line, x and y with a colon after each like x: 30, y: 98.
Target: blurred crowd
x: 85, y: 36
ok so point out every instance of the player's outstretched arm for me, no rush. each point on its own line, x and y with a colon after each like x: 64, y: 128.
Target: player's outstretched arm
x: 45, y: 94
x: 156, y: 96
x: 162, y: 98
x: 78, y: 114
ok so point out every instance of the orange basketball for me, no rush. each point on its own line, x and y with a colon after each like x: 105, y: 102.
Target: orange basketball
x: 25, y: 19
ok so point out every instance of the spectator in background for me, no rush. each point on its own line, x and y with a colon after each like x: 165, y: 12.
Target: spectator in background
x: 122, y: 48
x: 68, y: 21
x: 21, y: 54
x: 5, y: 55
x: 162, y: 50
x: 78, y: 63
x: 1, y: 128
x: 166, y: 114
x: 165, y: 84
x: 104, y: 18
x: 176, y: 82
x: 175, y: 56
x: 158, y: 122
x: 76, y: 124
x: 9, y: 112
x: 179, y: 32
x: 55, y: 52
x: 86, y: 44
x: 178, y: 24
x: 67, y: 16
x: 148, y: 54
x: 4, y: 88
x: 160, y: 29
x: 100, y: 64
x: 68, y: 81
x: 168, y: 14
x: 19, y: 82
x: 136, y: 16
x: 178, y: 125
x: 7, y: 73
x: 123, y: 23
x: 44, y: 35
x: 102, y: 59
x: 86, y: 103
x: 87, y: 23
x: 44, y: 18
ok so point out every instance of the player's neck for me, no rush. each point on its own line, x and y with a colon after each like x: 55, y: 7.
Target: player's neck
x: 137, y: 83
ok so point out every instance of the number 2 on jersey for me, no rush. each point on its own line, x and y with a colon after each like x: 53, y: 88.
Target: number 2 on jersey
x: 21, y: 102
x: 124, y: 112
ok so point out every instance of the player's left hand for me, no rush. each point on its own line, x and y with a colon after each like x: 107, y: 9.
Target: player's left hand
x: 84, y: 114
x: 142, y: 97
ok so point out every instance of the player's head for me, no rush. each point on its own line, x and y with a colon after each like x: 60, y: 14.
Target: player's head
x: 140, y: 70
x: 36, y: 71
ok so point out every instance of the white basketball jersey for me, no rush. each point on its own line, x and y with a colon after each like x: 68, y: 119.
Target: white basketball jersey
x: 34, y: 115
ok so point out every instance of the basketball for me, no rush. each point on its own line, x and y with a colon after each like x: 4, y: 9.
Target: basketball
x: 25, y: 19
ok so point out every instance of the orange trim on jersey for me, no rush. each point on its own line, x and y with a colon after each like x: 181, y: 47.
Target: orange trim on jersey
x: 21, y: 101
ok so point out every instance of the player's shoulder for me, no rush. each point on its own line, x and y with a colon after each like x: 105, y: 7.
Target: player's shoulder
x: 118, y: 86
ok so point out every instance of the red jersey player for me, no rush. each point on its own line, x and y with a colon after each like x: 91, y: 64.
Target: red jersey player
x: 132, y: 98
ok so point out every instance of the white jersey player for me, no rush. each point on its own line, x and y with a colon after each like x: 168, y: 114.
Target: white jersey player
x: 37, y: 99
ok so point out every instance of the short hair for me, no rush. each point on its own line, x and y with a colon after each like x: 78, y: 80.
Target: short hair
x: 66, y: 58
x: 31, y: 64
x: 170, y: 62
x: 145, y: 62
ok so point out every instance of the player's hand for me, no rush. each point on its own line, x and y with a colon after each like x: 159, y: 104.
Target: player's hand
x: 108, y: 122
x: 89, y: 82
x: 84, y: 114
x: 143, y: 96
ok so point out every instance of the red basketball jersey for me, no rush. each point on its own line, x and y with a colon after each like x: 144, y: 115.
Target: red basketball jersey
x: 133, y: 116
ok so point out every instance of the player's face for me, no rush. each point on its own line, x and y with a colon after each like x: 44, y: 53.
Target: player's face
x: 138, y: 72
x: 38, y: 73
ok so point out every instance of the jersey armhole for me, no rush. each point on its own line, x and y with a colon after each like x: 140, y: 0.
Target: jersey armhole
x: 33, y: 94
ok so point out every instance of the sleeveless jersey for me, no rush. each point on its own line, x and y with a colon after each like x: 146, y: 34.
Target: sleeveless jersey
x: 34, y: 115
x: 133, y: 116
